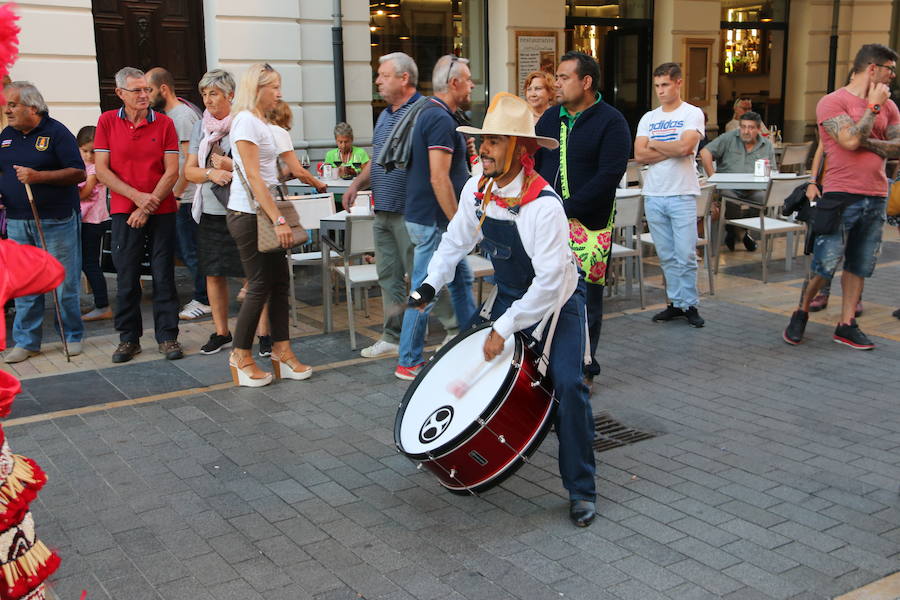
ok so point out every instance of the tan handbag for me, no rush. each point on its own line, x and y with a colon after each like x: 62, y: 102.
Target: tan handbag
x: 266, y: 238
x: 893, y: 204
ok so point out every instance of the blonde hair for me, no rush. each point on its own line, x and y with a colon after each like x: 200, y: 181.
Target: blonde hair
x: 281, y: 115
x: 247, y: 95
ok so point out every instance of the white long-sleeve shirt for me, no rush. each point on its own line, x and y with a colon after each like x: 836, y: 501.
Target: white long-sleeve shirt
x: 544, y: 232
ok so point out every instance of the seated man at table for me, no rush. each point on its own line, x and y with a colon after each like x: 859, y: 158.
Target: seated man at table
x: 737, y: 151
x: 741, y: 106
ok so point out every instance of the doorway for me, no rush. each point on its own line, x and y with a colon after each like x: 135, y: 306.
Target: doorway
x: 623, y: 49
x: 146, y: 34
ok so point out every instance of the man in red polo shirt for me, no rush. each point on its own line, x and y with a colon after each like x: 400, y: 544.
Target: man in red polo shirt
x: 137, y: 158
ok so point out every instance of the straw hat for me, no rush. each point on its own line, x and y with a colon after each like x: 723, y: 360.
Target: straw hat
x: 510, y: 115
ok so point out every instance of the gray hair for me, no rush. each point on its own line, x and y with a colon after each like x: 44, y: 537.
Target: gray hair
x: 29, y: 95
x: 219, y: 78
x: 446, y: 68
x: 126, y: 73
x: 343, y: 129
x: 403, y: 63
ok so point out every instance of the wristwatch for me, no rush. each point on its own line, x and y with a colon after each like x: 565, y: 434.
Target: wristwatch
x: 281, y: 220
x: 208, y: 171
x: 875, y: 108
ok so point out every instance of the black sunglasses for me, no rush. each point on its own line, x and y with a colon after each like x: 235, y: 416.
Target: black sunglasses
x: 453, y: 60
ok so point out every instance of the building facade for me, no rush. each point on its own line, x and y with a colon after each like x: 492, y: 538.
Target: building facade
x: 773, y: 51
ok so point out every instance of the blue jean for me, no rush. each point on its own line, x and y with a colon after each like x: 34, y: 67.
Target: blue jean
x: 426, y: 239
x: 186, y: 249
x: 857, y: 240
x: 64, y: 244
x: 673, y: 225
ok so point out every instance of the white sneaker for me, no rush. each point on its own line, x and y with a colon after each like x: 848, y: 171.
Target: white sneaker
x: 75, y: 348
x: 194, y: 310
x: 380, y: 348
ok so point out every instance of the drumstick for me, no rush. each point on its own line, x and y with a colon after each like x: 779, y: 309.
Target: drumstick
x: 460, y: 387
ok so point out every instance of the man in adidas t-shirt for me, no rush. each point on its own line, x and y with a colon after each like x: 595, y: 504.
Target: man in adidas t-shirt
x: 667, y: 139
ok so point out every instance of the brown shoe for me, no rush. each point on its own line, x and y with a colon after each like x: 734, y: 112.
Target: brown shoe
x: 125, y: 351
x: 172, y: 350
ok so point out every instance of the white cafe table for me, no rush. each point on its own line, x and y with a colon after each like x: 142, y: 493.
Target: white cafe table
x: 748, y: 182
x: 745, y: 181
x: 335, y: 186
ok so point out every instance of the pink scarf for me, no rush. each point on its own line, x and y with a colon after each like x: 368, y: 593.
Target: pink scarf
x: 213, y: 130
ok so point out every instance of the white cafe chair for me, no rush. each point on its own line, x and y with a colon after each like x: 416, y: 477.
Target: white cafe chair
x: 627, y: 240
x: 770, y: 226
x: 359, y: 238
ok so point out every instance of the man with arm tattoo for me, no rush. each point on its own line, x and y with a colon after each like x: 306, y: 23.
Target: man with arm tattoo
x: 859, y: 127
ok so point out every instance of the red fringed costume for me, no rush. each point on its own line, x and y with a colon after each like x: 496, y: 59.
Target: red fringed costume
x: 25, y: 562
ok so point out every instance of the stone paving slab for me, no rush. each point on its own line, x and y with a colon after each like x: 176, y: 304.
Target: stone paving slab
x: 774, y: 475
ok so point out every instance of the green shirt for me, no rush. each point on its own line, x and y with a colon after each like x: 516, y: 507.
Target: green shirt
x: 357, y: 155
x: 731, y: 155
x: 565, y: 113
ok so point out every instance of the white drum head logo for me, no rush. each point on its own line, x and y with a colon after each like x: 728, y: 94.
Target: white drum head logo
x: 436, y: 424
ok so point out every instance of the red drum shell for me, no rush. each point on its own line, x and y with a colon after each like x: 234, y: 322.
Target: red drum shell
x: 508, y: 430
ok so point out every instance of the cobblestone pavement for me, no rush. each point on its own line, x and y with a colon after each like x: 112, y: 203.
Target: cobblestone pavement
x: 774, y: 474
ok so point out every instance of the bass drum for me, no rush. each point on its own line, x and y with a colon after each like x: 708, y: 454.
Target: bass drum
x: 475, y: 441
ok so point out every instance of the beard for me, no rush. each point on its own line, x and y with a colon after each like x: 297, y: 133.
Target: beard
x: 158, y: 104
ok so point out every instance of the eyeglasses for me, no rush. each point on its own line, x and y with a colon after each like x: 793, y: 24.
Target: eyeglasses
x: 145, y: 90
x: 888, y: 67
x: 453, y: 60
x: 267, y: 67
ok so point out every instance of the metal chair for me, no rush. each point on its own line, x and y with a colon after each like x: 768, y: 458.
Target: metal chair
x: 704, y: 202
x: 769, y: 226
x: 359, y: 238
x: 313, y: 209
x: 627, y: 228
x: 795, y: 155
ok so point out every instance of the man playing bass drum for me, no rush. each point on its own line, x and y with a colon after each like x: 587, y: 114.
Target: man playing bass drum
x: 520, y: 222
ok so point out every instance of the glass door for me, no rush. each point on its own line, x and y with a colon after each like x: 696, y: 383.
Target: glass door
x: 622, y: 47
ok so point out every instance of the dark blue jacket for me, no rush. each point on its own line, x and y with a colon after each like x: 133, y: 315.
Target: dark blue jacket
x: 598, y: 149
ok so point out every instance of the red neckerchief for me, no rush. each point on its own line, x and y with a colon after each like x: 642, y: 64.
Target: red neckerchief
x: 531, y: 187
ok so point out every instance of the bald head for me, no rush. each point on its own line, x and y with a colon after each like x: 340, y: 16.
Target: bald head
x: 162, y: 86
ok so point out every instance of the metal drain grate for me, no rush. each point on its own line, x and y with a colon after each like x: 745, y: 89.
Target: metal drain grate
x: 610, y: 434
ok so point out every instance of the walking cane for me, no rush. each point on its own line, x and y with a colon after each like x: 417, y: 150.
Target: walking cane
x: 37, y: 222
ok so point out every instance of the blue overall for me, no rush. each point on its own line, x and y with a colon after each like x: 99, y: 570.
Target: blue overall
x: 513, y: 274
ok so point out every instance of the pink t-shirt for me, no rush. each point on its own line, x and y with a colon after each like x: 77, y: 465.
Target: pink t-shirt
x: 858, y: 171
x: 93, y: 208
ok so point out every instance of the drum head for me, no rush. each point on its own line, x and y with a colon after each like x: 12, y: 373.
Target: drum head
x: 431, y: 419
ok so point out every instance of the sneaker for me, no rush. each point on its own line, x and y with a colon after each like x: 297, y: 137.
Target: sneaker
x: 194, y: 310
x: 859, y: 309
x: 17, y: 355
x: 749, y: 243
x: 793, y: 333
x: 408, y: 373
x: 125, y: 351
x: 75, y: 348
x: 671, y: 312
x: 216, y: 342
x: 447, y: 338
x: 820, y: 302
x: 172, y: 350
x: 98, y: 314
x: 693, y: 317
x: 850, y: 335
x: 380, y: 348
x: 265, y: 346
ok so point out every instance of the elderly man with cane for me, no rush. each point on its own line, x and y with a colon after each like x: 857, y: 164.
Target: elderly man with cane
x: 40, y: 168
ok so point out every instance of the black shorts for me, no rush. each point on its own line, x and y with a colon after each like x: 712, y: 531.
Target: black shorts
x: 217, y: 254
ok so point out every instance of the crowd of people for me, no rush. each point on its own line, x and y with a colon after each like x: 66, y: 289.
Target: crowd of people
x: 162, y: 178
